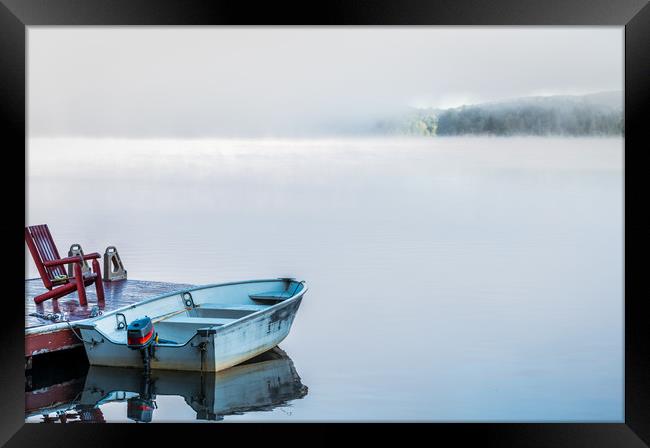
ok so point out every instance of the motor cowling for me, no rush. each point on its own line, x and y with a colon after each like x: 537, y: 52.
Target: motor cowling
x: 140, y: 334
x: 140, y: 410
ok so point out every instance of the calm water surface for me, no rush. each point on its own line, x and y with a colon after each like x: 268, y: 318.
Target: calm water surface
x: 473, y: 279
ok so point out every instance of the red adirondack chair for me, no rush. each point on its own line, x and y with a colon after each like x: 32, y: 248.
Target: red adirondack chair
x: 51, y: 267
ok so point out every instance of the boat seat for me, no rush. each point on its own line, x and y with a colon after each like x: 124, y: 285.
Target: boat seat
x: 179, y: 330
x: 272, y: 296
x: 204, y: 321
x: 214, y: 310
x: 221, y: 306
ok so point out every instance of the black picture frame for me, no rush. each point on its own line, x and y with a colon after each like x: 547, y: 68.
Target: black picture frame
x: 16, y: 15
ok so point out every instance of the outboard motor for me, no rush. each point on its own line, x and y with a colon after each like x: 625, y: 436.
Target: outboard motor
x: 140, y: 336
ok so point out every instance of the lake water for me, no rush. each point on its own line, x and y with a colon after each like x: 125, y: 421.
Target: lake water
x: 450, y: 279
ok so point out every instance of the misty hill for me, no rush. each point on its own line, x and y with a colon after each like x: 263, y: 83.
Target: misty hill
x: 571, y: 115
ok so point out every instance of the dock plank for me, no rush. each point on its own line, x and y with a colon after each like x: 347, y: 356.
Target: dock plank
x: 117, y: 294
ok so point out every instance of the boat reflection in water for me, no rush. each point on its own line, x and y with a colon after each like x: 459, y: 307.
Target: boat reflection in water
x: 260, y: 384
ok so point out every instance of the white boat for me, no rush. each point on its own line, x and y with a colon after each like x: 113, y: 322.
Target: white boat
x: 207, y: 328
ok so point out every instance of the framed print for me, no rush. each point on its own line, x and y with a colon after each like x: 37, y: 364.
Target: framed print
x: 353, y: 212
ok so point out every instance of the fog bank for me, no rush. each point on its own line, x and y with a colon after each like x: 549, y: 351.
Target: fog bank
x: 299, y: 81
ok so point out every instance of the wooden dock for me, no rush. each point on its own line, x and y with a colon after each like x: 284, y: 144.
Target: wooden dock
x: 47, y: 336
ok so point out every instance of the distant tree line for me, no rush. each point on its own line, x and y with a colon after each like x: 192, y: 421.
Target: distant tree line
x: 580, y: 119
x: 569, y: 115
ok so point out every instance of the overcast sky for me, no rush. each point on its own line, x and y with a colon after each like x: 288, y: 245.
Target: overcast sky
x: 245, y: 81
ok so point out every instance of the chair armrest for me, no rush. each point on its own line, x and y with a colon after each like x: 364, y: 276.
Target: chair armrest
x: 91, y: 256
x: 68, y: 260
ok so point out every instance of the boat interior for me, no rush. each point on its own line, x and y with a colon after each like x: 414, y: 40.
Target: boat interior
x: 181, y: 327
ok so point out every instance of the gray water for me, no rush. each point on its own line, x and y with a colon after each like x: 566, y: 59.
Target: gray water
x: 451, y: 279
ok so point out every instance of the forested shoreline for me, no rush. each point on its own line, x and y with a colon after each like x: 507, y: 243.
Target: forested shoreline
x: 594, y: 115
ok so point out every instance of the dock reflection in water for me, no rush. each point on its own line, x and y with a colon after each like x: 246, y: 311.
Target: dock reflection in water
x: 263, y: 383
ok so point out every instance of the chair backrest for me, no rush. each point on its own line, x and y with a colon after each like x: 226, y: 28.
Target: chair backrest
x: 41, y: 246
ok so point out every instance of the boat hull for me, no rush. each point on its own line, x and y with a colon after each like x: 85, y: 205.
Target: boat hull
x: 209, y: 349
